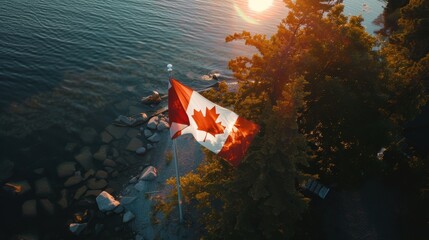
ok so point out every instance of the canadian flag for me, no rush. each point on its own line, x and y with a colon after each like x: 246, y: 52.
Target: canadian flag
x: 216, y: 128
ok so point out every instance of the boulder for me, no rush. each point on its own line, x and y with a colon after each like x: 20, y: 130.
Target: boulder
x: 29, y: 208
x: 153, y: 123
x: 43, y: 187
x: 128, y: 216
x: 127, y: 200
x: 141, y: 186
x: 77, y: 228
x: 100, y: 174
x: 66, y: 169
x: 80, y: 191
x: 105, y: 137
x: 88, y: 135
x: 73, y: 180
x: 162, y: 125
x: 47, y: 206
x: 154, y: 138
x: 101, y: 154
x: 106, y: 202
x: 141, y: 150
x: 109, y: 163
x: 84, y: 158
x: 94, y: 184
x: 116, y: 132
x: 134, y: 144
x: 6, y: 169
x: 148, y: 174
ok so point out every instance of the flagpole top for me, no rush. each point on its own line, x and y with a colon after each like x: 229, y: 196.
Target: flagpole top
x: 169, y: 67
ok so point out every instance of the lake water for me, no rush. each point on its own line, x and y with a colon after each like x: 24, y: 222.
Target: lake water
x: 70, y: 65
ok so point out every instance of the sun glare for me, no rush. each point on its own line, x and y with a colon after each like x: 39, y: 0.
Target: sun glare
x: 260, y: 5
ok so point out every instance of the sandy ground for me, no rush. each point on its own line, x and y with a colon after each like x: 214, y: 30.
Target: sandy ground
x: 189, y: 157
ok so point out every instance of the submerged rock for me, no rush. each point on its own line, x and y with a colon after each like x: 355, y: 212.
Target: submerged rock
x: 48, y: 206
x: 116, y: 132
x: 127, y: 200
x: 84, y: 158
x: 105, y: 137
x: 29, y: 208
x: 79, y: 193
x: 73, y: 180
x: 141, y: 186
x: 106, y: 202
x: 94, y: 184
x: 63, y: 202
x: 89, y: 174
x: 43, y: 187
x: 101, y: 174
x: 147, y: 133
x: 162, y: 125
x: 66, y: 169
x: 132, y: 132
x: 134, y: 144
x: 109, y: 163
x: 101, y: 154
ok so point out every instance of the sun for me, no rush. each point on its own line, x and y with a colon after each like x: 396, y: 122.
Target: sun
x: 259, y: 5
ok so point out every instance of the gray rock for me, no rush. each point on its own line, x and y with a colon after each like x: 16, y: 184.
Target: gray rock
x: 73, y: 180
x: 134, y: 144
x: 141, y: 150
x: 43, y: 187
x: 128, y: 216
x: 154, y: 138
x: 148, y: 174
x: 101, y: 154
x: 94, y: 184
x: 6, y: 169
x: 106, y: 202
x: 109, y: 163
x: 47, y: 206
x: 79, y: 193
x: 116, y: 132
x: 88, y: 135
x: 84, y: 158
x: 132, y: 132
x: 127, y: 200
x: 153, y: 123
x: 100, y: 174
x: 66, y: 169
x: 162, y: 125
x: 141, y: 186
x: 147, y: 133
x: 77, y: 228
x: 29, y: 208
x: 105, y: 137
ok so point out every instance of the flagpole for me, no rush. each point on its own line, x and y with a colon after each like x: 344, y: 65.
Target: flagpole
x: 179, y: 194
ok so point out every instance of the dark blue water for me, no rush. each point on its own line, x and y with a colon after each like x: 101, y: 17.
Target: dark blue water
x: 66, y: 65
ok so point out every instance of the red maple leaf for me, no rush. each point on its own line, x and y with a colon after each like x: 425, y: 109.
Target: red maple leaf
x: 208, y: 123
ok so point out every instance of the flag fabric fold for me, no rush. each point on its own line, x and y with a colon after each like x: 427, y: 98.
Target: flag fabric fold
x: 218, y: 129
